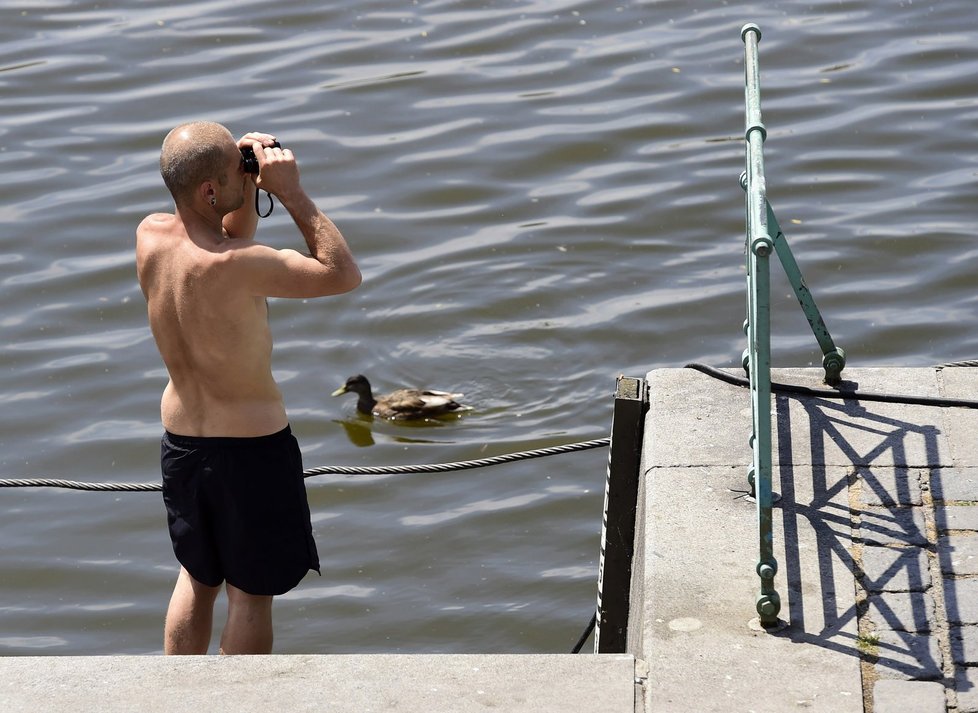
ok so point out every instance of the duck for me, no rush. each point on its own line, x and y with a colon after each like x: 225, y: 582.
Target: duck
x: 402, y: 404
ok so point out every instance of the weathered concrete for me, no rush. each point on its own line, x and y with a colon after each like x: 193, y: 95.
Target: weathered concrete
x: 296, y: 684
x: 903, y: 697
x: 876, y: 537
x: 700, y: 588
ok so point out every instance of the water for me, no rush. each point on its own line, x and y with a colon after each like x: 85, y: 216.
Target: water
x: 541, y: 195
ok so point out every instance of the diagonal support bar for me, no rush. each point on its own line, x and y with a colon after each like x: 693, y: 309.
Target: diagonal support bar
x: 833, y: 357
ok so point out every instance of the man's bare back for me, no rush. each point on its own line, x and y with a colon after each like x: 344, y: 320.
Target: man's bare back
x: 205, y: 281
x: 212, y: 334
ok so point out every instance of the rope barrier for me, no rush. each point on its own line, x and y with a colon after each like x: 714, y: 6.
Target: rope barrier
x: 851, y: 395
x: 321, y: 470
x: 459, y: 465
x: 587, y: 632
x: 76, y: 485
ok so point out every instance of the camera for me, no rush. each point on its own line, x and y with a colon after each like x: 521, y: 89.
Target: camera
x: 250, y: 161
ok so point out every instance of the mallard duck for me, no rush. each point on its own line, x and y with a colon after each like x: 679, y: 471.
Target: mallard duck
x: 402, y: 404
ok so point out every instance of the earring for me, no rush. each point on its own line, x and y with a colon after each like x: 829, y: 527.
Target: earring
x: 213, y: 200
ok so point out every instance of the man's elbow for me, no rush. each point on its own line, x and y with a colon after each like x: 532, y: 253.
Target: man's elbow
x: 345, y: 279
x: 352, y: 278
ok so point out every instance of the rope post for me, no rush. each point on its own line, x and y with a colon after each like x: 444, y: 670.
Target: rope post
x: 618, y: 525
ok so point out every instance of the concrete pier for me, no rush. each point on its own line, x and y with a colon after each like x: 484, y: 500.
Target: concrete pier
x: 876, y: 536
x: 877, y: 543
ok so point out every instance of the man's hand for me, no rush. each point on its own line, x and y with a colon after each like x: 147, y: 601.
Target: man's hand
x: 243, y: 222
x: 247, y: 141
x: 278, y: 172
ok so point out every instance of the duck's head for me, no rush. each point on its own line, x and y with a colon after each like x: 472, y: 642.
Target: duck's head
x: 357, y: 384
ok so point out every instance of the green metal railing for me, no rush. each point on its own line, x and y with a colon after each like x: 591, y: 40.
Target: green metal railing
x: 764, y: 237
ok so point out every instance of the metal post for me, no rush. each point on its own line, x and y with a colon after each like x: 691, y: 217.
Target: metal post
x: 620, y: 503
x: 764, y: 236
x: 759, y: 248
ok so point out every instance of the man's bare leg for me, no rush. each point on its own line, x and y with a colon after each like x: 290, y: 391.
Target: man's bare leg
x: 189, y: 616
x: 249, y: 626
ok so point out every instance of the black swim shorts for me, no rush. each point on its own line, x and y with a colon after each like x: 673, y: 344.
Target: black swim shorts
x: 237, y: 510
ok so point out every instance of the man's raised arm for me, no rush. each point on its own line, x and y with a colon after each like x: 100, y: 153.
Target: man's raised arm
x: 328, y: 269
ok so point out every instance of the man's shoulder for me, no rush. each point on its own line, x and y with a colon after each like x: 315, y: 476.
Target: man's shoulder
x: 153, y: 236
x: 156, y: 227
x: 156, y: 222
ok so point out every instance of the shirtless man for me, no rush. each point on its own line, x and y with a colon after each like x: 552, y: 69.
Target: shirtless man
x: 232, y: 473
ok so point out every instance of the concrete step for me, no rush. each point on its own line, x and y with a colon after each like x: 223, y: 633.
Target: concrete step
x: 297, y: 684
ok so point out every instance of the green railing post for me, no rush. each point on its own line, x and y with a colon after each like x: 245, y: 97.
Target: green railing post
x: 764, y: 237
x: 760, y: 245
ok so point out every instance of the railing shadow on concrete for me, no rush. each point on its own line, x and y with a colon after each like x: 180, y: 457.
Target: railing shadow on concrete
x: 958, y: 586
x: 844, y: 528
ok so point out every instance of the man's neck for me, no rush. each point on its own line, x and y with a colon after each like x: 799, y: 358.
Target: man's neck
x: 201, y: 225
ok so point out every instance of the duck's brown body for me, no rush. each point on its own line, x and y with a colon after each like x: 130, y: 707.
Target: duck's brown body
x: 403, y: 404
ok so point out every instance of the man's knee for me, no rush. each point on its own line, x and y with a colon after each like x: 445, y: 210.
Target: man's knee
x: 249, y: 626
x: 240, y: 599
x: 200, y: 591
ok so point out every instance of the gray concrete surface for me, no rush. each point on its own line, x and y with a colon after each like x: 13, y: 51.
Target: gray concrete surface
x: 876, y: 537
x: 297, y: 684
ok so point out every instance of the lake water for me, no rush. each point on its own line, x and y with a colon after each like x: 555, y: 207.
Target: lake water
x: 542, y: 195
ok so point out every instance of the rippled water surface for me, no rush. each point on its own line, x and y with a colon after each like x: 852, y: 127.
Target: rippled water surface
x: 542, y: 195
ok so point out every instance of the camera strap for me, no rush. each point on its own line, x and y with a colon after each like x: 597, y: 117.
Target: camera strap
x: 271, y: 204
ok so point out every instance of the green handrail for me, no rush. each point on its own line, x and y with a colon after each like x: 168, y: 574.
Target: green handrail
x: 764, y: 237
x: 759, y: 248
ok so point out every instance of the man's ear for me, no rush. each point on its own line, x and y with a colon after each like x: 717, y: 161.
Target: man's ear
x: 207, y: 192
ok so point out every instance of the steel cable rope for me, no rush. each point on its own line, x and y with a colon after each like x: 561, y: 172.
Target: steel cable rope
x: 322, y: 470
x: 852, y: 395
x: 587, y: 632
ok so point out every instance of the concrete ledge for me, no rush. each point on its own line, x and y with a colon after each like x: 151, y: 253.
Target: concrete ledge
x: 876, y: 538
x: 700, y: 588
x: 408, y: 683
x: 697, y: 545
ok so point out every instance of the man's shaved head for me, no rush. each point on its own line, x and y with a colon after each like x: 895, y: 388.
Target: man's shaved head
x: 193, y: 153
